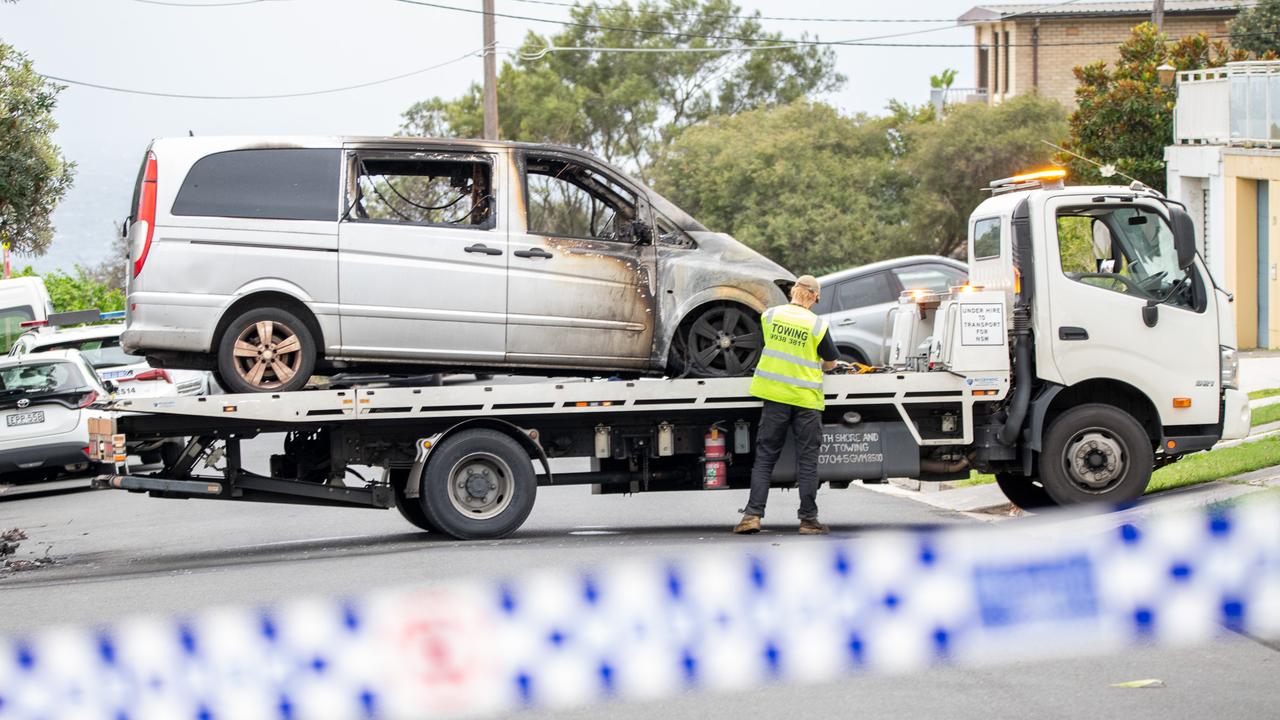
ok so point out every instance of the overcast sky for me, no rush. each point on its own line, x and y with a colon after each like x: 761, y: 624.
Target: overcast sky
x: 285, y: 46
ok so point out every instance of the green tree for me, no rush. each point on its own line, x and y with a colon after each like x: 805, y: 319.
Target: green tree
x: 79, y: 291
x: 1124, y: 116
x: 1257, y: 29
x: 943, y: 80
x: 33, y: 174
x: 626, y: 106
x: 952, y: 161
x: 811, y: 189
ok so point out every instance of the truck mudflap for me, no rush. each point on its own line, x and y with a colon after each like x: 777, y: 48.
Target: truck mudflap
x: 1236, y: 416
x: 866, y: 451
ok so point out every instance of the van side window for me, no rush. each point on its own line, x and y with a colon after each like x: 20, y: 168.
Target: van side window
x: 269, y: 184
x: 422, y: 188
x: 567, y: 199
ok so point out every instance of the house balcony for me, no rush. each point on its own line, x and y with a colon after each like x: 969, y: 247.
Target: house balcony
x: 1238, y: 104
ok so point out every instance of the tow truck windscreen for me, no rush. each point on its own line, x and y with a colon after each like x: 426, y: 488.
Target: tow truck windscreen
x: 1126, y: 249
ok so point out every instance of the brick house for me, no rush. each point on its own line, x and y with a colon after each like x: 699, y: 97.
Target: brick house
x: 1026, y: 46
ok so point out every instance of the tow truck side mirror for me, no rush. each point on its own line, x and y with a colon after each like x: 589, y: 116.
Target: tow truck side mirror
x: 1184, y: 236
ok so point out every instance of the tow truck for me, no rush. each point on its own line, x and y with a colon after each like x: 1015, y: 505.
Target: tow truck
x: 1090, y: 346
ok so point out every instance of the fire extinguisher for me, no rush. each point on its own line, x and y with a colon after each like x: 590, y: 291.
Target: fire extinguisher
x: 715, y: 460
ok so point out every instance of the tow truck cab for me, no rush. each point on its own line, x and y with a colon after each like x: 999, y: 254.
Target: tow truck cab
x: 1114, y: 315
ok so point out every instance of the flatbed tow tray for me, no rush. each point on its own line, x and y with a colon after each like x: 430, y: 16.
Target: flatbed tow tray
x: 280, y: 411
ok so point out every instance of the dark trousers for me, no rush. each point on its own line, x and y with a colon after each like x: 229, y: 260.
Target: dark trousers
x: 806, y: 427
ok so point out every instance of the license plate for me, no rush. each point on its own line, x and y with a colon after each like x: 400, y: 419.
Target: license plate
x: 28, y: 418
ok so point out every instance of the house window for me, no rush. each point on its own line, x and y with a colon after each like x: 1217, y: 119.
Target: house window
x: 982, y: 68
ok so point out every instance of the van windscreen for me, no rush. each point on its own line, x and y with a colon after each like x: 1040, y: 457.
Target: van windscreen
x: 271, y: 184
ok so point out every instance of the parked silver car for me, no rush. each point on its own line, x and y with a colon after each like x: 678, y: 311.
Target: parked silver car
x: 856, y: 302
x: 272, y: 259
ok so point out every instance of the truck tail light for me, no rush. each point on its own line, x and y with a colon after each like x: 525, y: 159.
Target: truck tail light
x: 145, y: 213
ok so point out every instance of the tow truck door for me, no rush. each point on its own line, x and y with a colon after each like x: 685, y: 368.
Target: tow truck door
x: 1104, y: 263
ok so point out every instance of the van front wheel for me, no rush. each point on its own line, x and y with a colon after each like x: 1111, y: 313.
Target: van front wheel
x: 266, y: 349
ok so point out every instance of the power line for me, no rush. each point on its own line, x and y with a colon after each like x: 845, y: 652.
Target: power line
x: 754, y: 17
x: 229, y: 3
x: 800, y: 43
x: 473, y: 53
x: 665, y: 33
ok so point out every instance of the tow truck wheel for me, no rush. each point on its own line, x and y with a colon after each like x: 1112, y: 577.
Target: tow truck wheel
x: 266, y: 349
x: 410, y: 508
x: 479, y: 484
x: 1095, y: 453
x: 1026, y: 492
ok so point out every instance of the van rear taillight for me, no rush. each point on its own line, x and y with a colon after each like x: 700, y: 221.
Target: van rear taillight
x: 145, y: 212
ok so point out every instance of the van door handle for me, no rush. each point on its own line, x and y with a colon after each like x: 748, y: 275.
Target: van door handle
x: 847, y: 321
x: 533, y: 253
x: 1072, y: 333
x: 482, y: 248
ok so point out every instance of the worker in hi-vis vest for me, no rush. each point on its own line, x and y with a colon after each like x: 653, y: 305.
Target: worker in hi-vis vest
x: 797, y: 350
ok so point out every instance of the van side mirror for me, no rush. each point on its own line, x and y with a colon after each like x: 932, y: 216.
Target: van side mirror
x: 641, y: 232
x: 1184, y: 236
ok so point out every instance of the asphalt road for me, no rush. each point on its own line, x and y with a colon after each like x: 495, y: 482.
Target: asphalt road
x: 120, y: 554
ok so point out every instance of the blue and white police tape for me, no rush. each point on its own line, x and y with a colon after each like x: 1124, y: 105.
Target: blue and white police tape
x: 649, y: 628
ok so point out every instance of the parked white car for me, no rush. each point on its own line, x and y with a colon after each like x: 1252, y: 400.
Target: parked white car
x: 100, y: 347
x: 46, y: 400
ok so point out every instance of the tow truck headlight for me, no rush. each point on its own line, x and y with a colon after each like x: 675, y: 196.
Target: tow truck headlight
x: 1230, y: 365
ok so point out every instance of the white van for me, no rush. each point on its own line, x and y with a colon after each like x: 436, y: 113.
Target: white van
x: 273, y: 259
x: 22, y: 299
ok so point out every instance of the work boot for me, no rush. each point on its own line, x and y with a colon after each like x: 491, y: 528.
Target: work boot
x: 749, y: 524
x: 813, y: 527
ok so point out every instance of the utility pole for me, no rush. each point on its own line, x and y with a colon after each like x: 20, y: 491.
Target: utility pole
x: 1157, y: 14
x: 490, y: 75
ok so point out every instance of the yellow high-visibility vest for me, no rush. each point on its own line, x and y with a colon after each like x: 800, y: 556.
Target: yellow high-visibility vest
x: 790, y: 369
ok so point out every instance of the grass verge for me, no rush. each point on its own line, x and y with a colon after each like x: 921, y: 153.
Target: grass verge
x: 1266, y: 393
x: 1217, y: 464
x: 1265, y: 414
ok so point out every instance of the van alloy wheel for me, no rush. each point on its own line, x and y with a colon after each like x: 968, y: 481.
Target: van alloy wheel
x: 724, y: 341
x: 268, y: 354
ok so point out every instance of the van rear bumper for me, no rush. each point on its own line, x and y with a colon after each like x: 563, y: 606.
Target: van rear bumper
x: 170, y: 321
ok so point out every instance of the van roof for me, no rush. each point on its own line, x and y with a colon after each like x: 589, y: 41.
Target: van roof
x: 214, y: 143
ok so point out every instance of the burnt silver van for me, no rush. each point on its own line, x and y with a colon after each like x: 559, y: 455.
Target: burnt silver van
x: 273, y: 259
